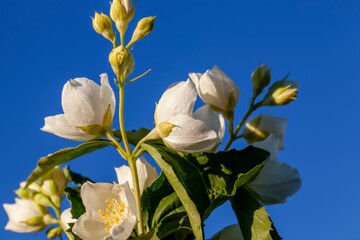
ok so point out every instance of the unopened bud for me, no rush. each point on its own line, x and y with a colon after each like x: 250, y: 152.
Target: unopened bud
x: 43, y: 200
x: 251, y: 132
x: 35, y: 221
x: 260, y: 78
x: 102, y: 25
x: 281, y: 93
x: 122, y: 61
x: 144, y: 27
x: 48, y: 219
x: 25, y: 193
x: 121, y: 12
x: 52, y: 233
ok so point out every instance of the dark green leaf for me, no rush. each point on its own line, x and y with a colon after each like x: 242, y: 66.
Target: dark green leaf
x: 187, y: 182
x: 224, y: 172
x: 47, y: 163
x: 74, y: 197
x: 75, y: 177
x: 253, y: 219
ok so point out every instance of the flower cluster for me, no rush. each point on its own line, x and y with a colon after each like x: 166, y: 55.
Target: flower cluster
x: 183, y: 142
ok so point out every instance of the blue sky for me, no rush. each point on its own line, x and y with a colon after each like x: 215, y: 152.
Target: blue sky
x: 45, y: 43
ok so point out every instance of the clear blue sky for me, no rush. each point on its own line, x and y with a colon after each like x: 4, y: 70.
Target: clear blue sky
x: 45, y: 43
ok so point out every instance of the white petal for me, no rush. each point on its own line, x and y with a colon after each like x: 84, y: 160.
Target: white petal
x: 66, y: 218
x: 215, y: 87
x: 107, y: 94
x: 87, y: 228
x: 195, y: 77
x: 123, y: 174
x: 81, y: 102
x: 228, y: 83
x: 213, y: 120
x: 147, y: 173
x: 20, y: 211
x: 94, y: 196
x: 60, y: 126
x: 275, y: 125
x: 275, y: 182
x: 127, y: 5
x: 178, y: 99
x: 191, y: 135
x: 232, y: 232
x: 125, y: 195
x: 123, y: 231
x: 270, y: 144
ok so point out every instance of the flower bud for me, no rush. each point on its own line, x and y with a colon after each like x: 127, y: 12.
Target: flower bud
x: 35, y: 221
x: 252, y: 133
x: 281, y: 93
x: 53, y: 233
x: 102, y: 25
x: 54, y: 182
x: 121, y: 12
x: 144, y: 27
x: 43, y: 200
x: 122, y: 61
x: 25, y: 193
x: 260, y: 78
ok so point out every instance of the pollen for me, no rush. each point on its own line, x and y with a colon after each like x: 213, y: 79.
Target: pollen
x: 115, y: 213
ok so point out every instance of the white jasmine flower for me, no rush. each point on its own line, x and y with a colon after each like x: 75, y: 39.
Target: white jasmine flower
x: 146, y: 174
x: 84, y: 103
x: 190, y: 132
x: 110, y: 212
x: 19, y: 213
x: 232, y: 232
x: 216, y: 89
x: 276, y: 180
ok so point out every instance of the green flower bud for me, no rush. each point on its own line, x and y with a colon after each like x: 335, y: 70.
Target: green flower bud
x: 281, y: 93
x: 25, y: 193
x: 144, y: 27
x: 121, y: 12
x: 102, y: 25
x: 43, y: 200
x: 48, y: 219
x: 35, y: 221
x: 251, y: 132
x: 260, y: 78
x: 52, y: 233
x: 122, y: 61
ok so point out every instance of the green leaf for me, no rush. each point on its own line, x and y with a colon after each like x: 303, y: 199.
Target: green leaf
x: 253, y: 219
x: 187, y: 182
x: 224, y: 172
x: 47, y: 163
x: 74, y: 197
x: 75, y: 177
x: 133, y: 136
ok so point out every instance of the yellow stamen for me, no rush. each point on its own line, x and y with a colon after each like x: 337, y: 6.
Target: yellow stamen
x: 107, y: 229
x: 107, y: 210
x: 100, y: 212
x: 107, y: 201
x: 122, y: 205
x: 114, y: 200
x: 110, y: 206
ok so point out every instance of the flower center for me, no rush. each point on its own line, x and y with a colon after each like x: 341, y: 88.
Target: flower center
x: 115, y: 214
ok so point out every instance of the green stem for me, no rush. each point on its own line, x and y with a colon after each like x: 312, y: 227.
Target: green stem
x: 130, y: 157
x: 118, y: 147
x: 233, y: 136
x: 121, y: 118
x: 135, y: 178
x: 58, y: 215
